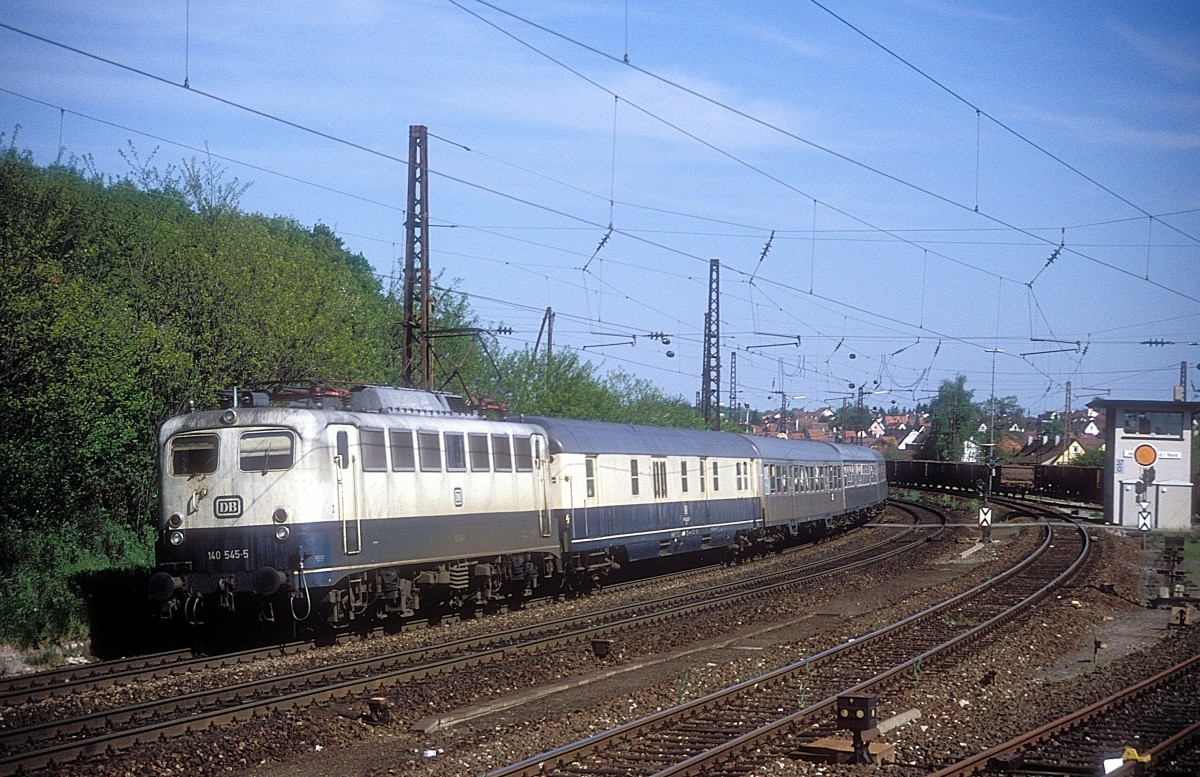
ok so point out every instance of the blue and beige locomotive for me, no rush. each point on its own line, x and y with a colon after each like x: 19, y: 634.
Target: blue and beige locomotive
x: 329, y: 506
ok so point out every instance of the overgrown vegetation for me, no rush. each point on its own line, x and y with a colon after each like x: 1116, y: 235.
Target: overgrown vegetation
x: 121, y: 300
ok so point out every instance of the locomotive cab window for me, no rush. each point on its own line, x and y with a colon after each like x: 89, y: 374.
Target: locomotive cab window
x: 266, y: 451
x: 194, y: 454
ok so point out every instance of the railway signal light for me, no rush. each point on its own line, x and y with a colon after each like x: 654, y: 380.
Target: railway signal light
x: 857, y: 713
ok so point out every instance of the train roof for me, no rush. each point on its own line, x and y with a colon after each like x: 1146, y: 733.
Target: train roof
x: 794, y: 450
x: 857, y: 452
x: 598, y: 437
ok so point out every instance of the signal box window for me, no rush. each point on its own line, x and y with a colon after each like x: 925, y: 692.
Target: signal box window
x: 1147, y: 424
x: 430, y: 451
x: 501, y: 453
x: 404, y: 458
x: 266, y: 451
x: 456, y: 452
x: 477, y: 447
x: 195, y: 454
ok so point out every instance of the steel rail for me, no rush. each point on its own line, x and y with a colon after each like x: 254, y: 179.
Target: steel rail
x: 703, y: 762
x: 167, y: 718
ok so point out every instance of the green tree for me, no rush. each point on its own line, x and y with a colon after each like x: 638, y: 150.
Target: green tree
x: 953, y: 418
x: 118, y: 305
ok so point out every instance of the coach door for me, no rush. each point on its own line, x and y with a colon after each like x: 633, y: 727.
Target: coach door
x: 541, y: 477
x: 345, y: 441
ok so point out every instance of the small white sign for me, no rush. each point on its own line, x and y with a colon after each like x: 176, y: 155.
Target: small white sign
x: 985, y: 516
x: 1144, y: 520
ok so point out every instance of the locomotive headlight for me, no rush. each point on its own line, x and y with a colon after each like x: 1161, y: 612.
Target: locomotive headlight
x: 280, y: 515
x: 282, y: 533
x: 175, y: 538
x: 229, y: 417
x: 175, y: 521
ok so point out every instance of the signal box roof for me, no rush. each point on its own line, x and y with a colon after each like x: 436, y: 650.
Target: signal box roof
x: 1158, y: 405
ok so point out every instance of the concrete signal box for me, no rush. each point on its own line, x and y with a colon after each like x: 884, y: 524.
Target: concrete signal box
x: 1148, y: 463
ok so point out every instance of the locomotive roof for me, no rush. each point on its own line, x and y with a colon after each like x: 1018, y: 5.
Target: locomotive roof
x: 572, y: 436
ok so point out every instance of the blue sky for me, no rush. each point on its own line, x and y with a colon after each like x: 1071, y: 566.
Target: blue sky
x: 918, y: 163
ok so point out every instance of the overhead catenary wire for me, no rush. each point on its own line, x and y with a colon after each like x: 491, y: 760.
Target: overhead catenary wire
x: 611, y: 199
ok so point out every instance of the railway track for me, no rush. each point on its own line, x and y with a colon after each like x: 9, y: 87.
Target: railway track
x: 40, y: 743
x: 1159, y: 717
x: 738, y: 729
x: 21, y: 689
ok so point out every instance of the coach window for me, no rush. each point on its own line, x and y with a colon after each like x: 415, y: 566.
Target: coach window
x: 716, y: 485
x: 523, y: 454
x: 194, y: 454
x: 429, y: 450
x: 477, y: 448
x: 374, y: 454
x: 683, y: 476
x: 703, y: 477
x: 633, y: 477
x: 501, y: 453
x: 456, y: 452
x: 403, y: 457
x: 266, y: 451
x: 737, y: 475
x: 589, y: 472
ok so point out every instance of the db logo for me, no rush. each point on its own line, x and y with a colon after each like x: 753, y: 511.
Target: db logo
x: 227, y: 506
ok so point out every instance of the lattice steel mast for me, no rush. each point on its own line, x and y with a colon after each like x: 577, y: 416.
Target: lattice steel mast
x: 418, y: 296
x: 710, y: 380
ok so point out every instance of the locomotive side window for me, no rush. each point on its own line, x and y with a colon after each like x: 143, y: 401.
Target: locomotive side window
x: 404, y: 458
x: 266, y: 451
x: 374, y: 454
x: 501, y: 453
x: 429, y: 449
x: 523, y: 454
x: 456, y: 452
x: 589, y: 473
x: 478, y: 448
x: 194, y: 454
x: 343, y: 450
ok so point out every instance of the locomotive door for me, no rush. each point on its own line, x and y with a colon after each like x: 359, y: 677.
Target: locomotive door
x: 346, y: 477
x: 541, y: 478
